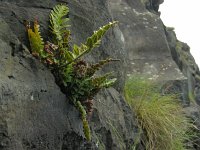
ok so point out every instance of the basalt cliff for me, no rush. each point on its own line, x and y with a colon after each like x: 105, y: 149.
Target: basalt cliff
x: 35, y: 114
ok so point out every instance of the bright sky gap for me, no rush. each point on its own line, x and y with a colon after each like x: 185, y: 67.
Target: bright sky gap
x: 184, y: 16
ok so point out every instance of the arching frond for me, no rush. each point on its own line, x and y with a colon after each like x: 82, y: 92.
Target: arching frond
x: 59, y: 24
x: 91, y: 43
x: 86, y: 128
x: 94, y: 40
x: 95, y: 67
x: 35, y: 39
x: 103, y: 81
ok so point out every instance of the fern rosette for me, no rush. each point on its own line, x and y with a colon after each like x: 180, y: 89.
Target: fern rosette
x: 74, y: 75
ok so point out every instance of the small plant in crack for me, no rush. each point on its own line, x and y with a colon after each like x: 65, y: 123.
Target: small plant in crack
x: 74, y: 75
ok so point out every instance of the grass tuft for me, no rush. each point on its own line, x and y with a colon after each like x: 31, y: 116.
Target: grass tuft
x: 161, y: 117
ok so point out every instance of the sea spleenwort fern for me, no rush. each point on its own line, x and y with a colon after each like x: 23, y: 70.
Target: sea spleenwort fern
x: 36, y: 40
x: 86, y: 128
x: 76, y: 77
x: 59, y: 24
x: 91, y: 43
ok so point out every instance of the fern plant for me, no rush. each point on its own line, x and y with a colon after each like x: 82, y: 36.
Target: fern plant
x: 75, y: 76
x: 59, y: 25
x: 36, y: 40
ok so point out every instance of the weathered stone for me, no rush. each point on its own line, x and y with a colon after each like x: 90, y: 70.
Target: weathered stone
x: 145, y: 41
x: 34, y: 113
x: 181, y: 54
x: 109, y: 133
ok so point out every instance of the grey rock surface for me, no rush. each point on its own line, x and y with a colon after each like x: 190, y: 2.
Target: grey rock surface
x: 191, y: 85
x: 181, y: 54
x: 35, y: 114
x: 145, y: 41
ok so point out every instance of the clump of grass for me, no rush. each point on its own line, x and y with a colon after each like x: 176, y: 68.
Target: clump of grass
x: 161, y: 117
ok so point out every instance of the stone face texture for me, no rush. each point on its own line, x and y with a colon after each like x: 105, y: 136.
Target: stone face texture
x: 112, y: 121
x: 145, y: 41
x: 34, y: 113
x: 86, y: 17
x: 181, y: 54
x: 191, y: 90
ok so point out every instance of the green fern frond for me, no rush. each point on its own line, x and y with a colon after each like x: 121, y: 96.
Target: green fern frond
x: 108, y: 83
x: 103, y: 81
x: 74, y: 75
x: 92, y: 42
x: 76, y: 50
x: 95, y: 39
x: 86, y: 127
x: 95, y: 67
x: 36, y: 40
x: 69, y: 56
x: 80, y: 51
x: 59, y: 24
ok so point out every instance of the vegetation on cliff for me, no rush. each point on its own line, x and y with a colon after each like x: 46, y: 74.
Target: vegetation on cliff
x: 74, y: 75
x: 160, y: 117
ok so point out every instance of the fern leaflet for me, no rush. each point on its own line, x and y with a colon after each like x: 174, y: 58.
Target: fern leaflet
x: 59, y: 24
x: 36, y: 40
x: 95, y: 39
x: 91, y: 43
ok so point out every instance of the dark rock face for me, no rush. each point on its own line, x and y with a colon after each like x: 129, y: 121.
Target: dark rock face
x: 152, y: 5
x: 34, y: 113
x: 86, y: 17
x: 181, y: 54
x: 191, y: 85
x: 145, y: 41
